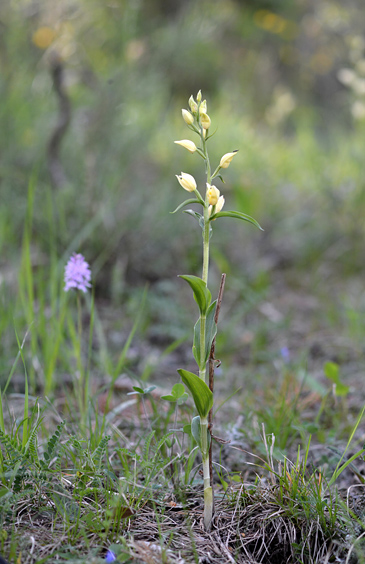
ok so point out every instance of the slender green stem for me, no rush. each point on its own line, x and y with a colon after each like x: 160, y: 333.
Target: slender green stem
x: 80, y: 380
x: 208, y: 492
x: 206, y: 244
x: 202, y: 370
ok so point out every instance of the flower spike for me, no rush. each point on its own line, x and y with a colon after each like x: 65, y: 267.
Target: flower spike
x: 77, y: 274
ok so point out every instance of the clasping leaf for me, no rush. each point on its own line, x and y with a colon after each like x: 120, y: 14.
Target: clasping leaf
x: 202, y: 395
x: 197, y: 432
x: 201, y: 293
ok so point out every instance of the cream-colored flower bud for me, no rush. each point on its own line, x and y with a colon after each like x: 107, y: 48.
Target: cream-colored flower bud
x: 213, y: 194
x: 187, y: 181
x: 199, y: 96
x: 205, y: 120
x: 189, y: 145
x: 193, y: 105
x: 187, y: 117
x: 203, y: 107
x: 226, y: 159
x: 218, y: 206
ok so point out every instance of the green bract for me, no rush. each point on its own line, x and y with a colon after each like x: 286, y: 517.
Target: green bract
x: 187, y: 202
x: 236, y: 215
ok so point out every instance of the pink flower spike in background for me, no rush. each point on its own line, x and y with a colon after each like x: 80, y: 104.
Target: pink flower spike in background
x: 77, y: 274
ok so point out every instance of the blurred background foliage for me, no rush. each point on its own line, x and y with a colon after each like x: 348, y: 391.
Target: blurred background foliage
x: 285, y: 84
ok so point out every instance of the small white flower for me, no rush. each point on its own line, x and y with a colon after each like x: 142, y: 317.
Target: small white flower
x: 227, y: 159
x: 187, y: 181
x: 213, y: 194
x: 189, y: 145
x: 205, y: 120
x: 187, y: 117
x: 218, y: 207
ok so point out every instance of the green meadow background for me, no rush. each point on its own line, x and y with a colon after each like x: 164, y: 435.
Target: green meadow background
x: 84, y: 465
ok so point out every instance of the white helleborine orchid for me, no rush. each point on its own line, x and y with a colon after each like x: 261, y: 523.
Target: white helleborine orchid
x: 205, y: 120
x: 187, y: 117
x: 189, y: 145
x: 218, y: 206
x: 227, y: 159
x: 187, y: 181
x: 213, y: 194
x: 199, y: 96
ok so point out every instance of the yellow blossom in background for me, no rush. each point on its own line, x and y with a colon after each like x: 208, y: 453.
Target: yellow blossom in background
x: 358, y: 110
x: 187, y: 117
x: 227, y: 159
x: 135, y: 49
x: 205, y: 120
x: 43, y: 37
x: 213, y: 194
x: 187, y: 181
x: 189, y: 145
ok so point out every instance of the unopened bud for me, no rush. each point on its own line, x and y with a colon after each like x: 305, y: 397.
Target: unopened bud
x: 205, y: 120
x: 193, y: 105
x: 213, y: 194
x: 187, y: 117
x: 203, y: 107
x: 189, y: 145
x: 218, y: 206
x: 199, y: 96
x: 226, y: 159
x: 187, y: 181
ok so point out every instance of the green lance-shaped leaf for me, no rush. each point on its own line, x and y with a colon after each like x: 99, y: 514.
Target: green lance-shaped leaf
x: 196, y: 431
x: 186, y: 203
x: 210, y: 332
x: 202, y: 395
x: 201, y: 293
x: 236, y: 215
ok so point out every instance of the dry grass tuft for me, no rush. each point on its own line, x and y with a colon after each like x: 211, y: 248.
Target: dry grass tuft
x: 249, y: 527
